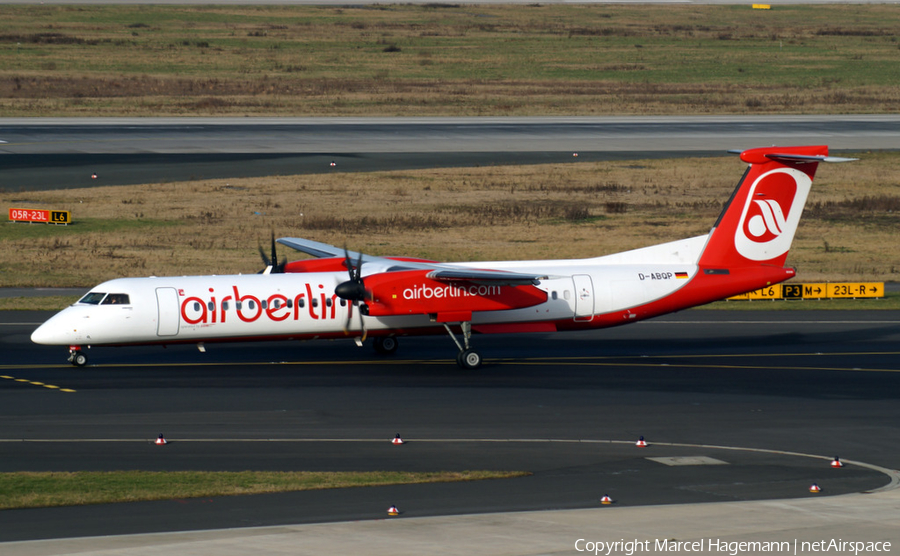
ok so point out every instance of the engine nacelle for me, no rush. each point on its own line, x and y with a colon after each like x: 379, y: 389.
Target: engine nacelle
x: 412, y: 293
x: 330, y: 264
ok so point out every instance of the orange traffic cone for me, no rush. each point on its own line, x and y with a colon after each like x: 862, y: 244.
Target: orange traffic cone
x: 161, y: 441
x: 815, y: 488
x: 393, y: 511
x: 606, y: 499
x: 837, y: 462
x: 397, y: 440
x: 641, y: 443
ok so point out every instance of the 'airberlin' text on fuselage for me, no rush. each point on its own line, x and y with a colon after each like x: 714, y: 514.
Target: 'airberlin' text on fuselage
x: 250, y: 308
x: 427, y: 292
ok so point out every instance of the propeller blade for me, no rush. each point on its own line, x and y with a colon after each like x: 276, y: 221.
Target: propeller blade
x: 263, y: 256
x: 359, y: 263
x: 347, y: 262
x: 272, y: 265
x: 265, y: 260
x: 353, y: 289
x: 347, y: 320
x: 362, y: 325
x: 274, y: 255
x: 277, y: 268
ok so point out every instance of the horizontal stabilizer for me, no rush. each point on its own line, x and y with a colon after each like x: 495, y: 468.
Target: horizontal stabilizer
x: 757, y: 156
x: 803, y: 158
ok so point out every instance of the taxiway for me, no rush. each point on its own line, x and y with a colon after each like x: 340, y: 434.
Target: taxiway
x: 771, y: 395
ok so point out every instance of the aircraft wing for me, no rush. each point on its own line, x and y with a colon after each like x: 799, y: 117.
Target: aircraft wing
x: 315, y: 248
x: 438, y: 271
x: 494, y: 277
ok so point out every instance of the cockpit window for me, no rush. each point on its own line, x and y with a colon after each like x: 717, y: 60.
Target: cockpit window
x: 93, y: 298
x: 116, y: 299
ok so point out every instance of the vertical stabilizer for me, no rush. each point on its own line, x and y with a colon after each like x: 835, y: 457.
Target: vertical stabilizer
x: 758, y: 224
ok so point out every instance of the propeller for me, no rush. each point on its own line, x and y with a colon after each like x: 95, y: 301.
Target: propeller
x: 354, y: 291
x: 272, y: 265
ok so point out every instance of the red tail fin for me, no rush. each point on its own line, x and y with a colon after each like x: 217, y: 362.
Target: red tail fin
x: 757, y: 225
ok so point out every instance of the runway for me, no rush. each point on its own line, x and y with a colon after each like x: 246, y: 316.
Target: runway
x: 789, y: 390
x: 761, y: 400
x: 39, y: 153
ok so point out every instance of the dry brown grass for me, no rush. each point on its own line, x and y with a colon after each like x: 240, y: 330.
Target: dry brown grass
x: 404, y: 60
x: 523, y: 212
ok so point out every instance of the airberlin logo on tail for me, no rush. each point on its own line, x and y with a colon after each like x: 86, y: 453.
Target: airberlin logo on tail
x: 769, y: 223
x: 771, y: 213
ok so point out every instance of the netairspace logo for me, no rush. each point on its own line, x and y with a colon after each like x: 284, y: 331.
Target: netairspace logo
x: 732, y: 548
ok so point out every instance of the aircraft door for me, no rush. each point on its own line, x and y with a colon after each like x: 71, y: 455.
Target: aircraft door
x: 584, y: 297
x: 167, y: 304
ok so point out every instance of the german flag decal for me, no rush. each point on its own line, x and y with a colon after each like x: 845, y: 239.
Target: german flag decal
x: 681, y: 275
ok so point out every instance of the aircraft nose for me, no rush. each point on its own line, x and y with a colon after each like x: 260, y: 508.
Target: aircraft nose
x: 51, y: 333
x: 44, y: 334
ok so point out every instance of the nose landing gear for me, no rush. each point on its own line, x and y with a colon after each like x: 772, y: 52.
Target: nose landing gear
x: 77, y: 357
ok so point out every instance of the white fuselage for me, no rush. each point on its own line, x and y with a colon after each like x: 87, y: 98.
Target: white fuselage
x: 304, y: 305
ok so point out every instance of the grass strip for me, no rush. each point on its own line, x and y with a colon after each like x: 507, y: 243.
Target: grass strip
x: 48, y: 303
x: 447, y: 59
x: 570, y: 209
x: 49, y: 489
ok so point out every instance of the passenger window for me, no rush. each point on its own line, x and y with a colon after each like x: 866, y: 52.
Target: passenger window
x: 329, y: 302
x: 276, y: 303
x: 567, y: 295
x: 251, y: 305
x: 238, y: 305
x: 290, y: 304
x: 225, y: 306
x: 301, y: 303
x: 93, y: 298
x: 554, y: 296
x: 196, y: 307
x: 262, y: 304
x: 315, y: 302
x: 210, y: 306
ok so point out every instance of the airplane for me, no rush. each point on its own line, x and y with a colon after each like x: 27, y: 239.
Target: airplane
x: 347, y: 294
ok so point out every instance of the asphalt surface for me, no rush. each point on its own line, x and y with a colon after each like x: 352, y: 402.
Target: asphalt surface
x: 67, y: 153
x: 566, y: 407
x: 367, y: 2
x: 772, y: 395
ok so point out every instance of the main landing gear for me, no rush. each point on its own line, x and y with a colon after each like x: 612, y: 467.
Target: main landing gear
x: 385, y: 345
x: 467, y: 358
x: 77, y: 357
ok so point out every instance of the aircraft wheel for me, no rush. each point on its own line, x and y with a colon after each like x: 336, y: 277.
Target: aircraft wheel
x: 469, y: 359
x: 79, y: 359
x: 385, y: 345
